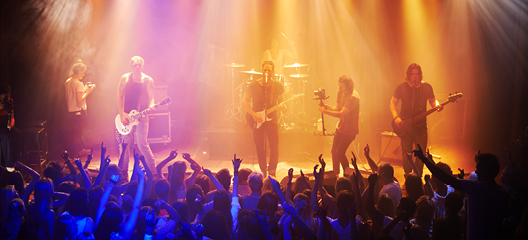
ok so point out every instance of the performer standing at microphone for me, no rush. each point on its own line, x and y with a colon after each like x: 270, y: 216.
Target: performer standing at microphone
x: 264, y: 94
x: 414, y: 94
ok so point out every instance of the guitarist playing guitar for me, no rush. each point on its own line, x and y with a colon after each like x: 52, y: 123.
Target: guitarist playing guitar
x: 414, y: 95
x: 265, y: 93
x: 135, y: 92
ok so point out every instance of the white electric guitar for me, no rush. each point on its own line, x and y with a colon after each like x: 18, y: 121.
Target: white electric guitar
x: 263, y: 114
x: 133, y: 117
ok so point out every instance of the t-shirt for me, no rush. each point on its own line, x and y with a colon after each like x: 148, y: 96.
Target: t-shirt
x: 439, y: 202
x: 344, y: 233
x: 265, y: 97
x: 485, y: 208
x: 421, y: 95
x: 136, y: 93
x: 394, y: 191
x: 249, y: 202
x: 72, y: 87
x: 349, y: 124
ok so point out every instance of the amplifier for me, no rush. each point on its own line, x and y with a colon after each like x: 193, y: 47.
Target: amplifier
x: 390, y: 146
x: 159, y: 128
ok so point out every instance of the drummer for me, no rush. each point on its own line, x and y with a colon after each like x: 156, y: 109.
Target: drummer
x: 277, y: 55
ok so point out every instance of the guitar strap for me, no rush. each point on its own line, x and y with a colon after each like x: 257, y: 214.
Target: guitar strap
x: 271, y: 93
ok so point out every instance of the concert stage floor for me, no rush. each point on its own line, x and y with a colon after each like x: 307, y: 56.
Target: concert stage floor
x: 298, y: 150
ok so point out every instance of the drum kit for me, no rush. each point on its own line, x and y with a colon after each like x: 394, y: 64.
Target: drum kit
x: 293, y: 84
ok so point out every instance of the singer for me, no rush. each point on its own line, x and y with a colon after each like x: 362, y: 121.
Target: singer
x: 414, y: 94
x: 265, y: 93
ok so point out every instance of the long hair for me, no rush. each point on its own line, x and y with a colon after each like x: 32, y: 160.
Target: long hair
x: 94, y: 196
x: 215, y: 225
x: 222, y: 203
x: 190, y: 197
x: 65, y: 228
x: 77, y: 67
x: 268, y: 203
x: 77, y: 203
x: 347, y: 80
x: 409, y: 71
x: 146, y: 218
x: 110, y: 222
x: 15, y: 219
x: 43, y: 193
x: 176, y: 179
x: 306, y: 212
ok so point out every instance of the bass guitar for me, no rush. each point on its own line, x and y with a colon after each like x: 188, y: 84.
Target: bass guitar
x: 133, y: 117
x: 264, y: 114
x: 405, y: 128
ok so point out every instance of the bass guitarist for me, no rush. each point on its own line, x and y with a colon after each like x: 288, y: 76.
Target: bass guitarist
x: 135, y: 91
x: 265, y: 93
x: 414, y: 95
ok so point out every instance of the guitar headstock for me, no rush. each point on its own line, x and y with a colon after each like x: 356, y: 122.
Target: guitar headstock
x: 454, y: 97
x: 165, y: 101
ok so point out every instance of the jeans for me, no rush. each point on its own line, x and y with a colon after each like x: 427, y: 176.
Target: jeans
x: 140, y: 132
x: 269, y: 130
x: 418, y: 136
x: 339, y: 147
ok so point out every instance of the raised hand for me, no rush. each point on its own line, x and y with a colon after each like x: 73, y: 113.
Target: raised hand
x: 427, y: 177
x: 78, y: 164
x: 159, y: 203
x: 288, y: 208
x: 103, y: 151
x: 141, y: 173
x: 461, y: 174
x: 186, y: 156
x: 302, y: 174
x: 107, y: 160
x: 207, y: 172
x: 262, y: 220
x: 173, y: 154
x: 65, y: 155
x: 322, y: 161
x: 321, y: 211
x: 290, y: 175
x: 195, y: 167
x: 136, y: 155
x: 236, y: 162
x: 420, y: 154
x: 372, y: 179
x: 366, y: 151
x: 315, y: 170
x: 90, y: 156
x: 19, y: 164
x: 354, y: 160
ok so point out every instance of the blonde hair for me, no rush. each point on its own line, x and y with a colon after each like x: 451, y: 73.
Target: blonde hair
x: 43, y: 192
x: 137, y: 59
x: 77, y: 67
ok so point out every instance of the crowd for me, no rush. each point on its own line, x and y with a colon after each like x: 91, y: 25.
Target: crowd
x: 237, y: 203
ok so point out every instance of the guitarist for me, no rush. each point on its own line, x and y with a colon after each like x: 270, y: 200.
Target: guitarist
x: 265, y: 93
x: 135, y: 91
x: 347, y: 110
x: 414, y: 95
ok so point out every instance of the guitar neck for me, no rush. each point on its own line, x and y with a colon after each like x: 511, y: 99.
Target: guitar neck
x: 146, y: 111
x: 274, y: 108
x: 426, y: 113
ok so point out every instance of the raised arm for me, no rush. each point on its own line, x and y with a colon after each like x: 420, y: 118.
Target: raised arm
x: 162, y: 164
x: 319, y: 178
x: 358, y: 173
x: 104, y: 200
x: 86, y: 180
x: 130, y: 224
x: 136, y: 166
x: 29, y: 188
x: 415, y: 169
x: 173, y: 214
x: 305, y: 230
x: 103, y: 154
x: 88, y: 159
x: 150, y: 177
x: 437, y: 172
x: 428, y: 187
x: 104, y: 165
x: 209, y: 174
x: 194, y: 166
x: 66, y: 158
x: 371, y: 162
x: 375, y: 214
x: 288, y: 186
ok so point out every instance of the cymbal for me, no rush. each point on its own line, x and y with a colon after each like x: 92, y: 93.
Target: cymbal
x: 296, y: 65
x: 299, y: 75
x: 235, y: 65
x: 252, y: 72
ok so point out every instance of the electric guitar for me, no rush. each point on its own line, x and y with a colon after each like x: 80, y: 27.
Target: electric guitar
x: 407, y: 122
x: 133, y: 117
x: 263, y: 114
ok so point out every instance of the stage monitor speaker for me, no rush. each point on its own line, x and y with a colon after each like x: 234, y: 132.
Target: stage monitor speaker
x: 159, y: 128
x: 390, y: 146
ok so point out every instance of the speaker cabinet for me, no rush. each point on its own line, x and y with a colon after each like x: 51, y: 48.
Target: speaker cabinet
x: 159, y: 128
x: 390, y: 146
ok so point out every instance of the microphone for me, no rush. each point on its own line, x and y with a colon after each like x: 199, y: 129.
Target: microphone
x: 266, y: 75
